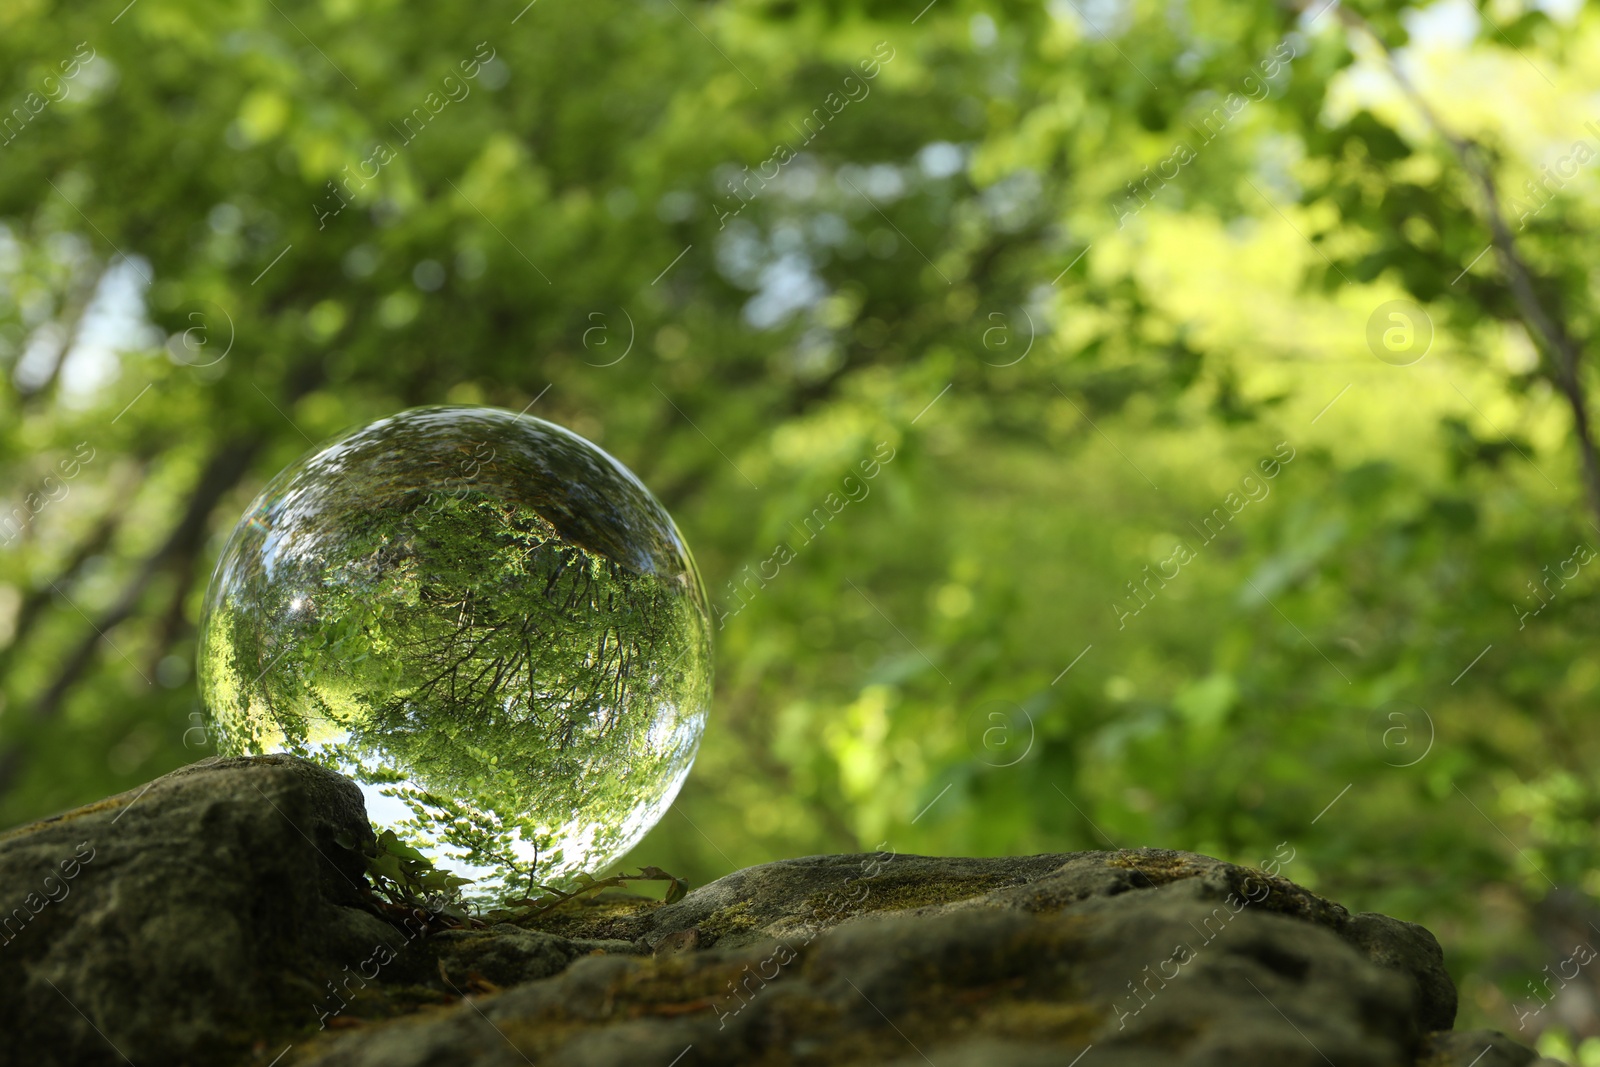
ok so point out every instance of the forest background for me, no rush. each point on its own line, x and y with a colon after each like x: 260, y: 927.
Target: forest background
x: 1232, y: 359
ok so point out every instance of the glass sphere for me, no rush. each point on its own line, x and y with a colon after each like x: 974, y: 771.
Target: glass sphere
x: 486, y: 622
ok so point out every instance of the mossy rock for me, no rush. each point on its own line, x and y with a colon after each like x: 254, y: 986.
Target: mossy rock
x: 221, y: 915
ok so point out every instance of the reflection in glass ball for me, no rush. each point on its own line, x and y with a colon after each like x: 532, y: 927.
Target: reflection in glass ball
x: 485, y: 621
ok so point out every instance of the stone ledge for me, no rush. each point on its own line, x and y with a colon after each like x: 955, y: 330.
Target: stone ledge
x: 214, y: 917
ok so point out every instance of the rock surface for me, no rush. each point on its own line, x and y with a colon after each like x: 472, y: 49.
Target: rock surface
x: 219, y: 916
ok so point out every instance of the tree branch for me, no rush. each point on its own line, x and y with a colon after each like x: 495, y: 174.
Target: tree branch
x: 1546, y: 325
x: 38, y: 598
x: 226, y: 466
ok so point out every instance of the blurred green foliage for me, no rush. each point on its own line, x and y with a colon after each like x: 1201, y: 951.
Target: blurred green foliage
x: 1040, y: 256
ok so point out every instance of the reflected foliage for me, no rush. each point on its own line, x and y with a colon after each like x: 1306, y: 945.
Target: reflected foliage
x: 433, y: 634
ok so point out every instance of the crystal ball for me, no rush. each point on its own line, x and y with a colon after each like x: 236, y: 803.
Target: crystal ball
x: 485, y: 621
